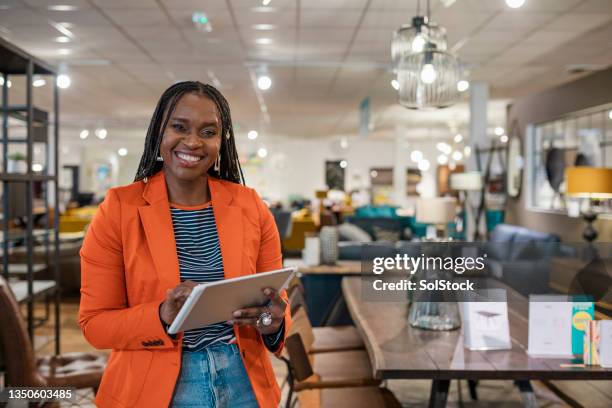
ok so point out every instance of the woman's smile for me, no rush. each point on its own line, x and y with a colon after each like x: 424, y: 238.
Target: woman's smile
x: 187, y: 159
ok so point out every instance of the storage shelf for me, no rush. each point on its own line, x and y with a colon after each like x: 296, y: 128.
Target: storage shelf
x: 39, y: 287
x: 25, y: 177
x: 22, y: 234
x: 22, y: 269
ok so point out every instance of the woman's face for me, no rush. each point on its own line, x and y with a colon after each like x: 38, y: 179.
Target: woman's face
x: 192, y: 139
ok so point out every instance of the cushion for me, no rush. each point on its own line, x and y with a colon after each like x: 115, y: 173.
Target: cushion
x: 351, y: 232
x: 386, y: 235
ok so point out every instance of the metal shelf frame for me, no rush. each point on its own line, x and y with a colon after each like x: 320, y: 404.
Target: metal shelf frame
x: 16, y: 62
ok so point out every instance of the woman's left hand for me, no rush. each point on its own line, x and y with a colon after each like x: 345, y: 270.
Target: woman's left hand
x: 249, y: 316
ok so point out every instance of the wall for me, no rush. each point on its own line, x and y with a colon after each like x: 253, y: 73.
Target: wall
x: 587, y: 92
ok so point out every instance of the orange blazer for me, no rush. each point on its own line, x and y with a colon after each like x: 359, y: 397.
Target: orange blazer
x: 129, y: 260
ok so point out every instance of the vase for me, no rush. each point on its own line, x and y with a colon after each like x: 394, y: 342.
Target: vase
x: 329, y: 245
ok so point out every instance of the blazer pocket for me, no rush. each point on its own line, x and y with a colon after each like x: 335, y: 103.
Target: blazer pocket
x: 126, y: 380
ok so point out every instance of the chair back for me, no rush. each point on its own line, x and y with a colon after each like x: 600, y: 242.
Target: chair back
x: 296, y: 301
x: 300, y: 324
x: 298, y: 344
x: 283, y: 222
x: 15, y: 343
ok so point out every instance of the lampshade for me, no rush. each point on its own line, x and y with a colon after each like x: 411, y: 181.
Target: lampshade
x: 438, y: 210
x: 468, y: 181
x: 428, y: 79
x: 589, y: 182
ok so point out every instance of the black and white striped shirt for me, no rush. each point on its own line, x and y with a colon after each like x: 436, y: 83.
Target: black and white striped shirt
x: 199, y: 255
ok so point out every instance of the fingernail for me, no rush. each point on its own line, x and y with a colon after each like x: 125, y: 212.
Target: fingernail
x: 237, y: 313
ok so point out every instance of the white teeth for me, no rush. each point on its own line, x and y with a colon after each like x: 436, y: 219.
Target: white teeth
x: 188, y: 157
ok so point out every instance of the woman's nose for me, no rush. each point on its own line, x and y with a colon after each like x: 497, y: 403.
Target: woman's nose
x: 193, y: 140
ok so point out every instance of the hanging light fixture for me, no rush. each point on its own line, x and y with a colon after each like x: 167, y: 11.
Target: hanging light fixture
x: 427, y: 74
x: 412, y: 38
x: 428, y: 79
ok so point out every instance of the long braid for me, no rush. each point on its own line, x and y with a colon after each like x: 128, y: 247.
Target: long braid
x: 230, y: 165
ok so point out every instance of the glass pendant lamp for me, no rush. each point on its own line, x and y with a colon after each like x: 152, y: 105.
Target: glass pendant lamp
x: 412, y: 38
x: 428, y: 79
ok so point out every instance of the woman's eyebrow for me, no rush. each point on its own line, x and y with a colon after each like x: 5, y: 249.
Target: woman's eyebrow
x: 185, y: 120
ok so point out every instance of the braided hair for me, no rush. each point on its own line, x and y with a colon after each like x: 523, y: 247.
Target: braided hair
x: 230, y: 166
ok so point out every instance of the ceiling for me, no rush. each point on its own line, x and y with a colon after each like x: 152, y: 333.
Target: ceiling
x: 324, y: 56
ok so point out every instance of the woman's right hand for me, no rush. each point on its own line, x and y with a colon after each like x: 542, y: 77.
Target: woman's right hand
x: 174, y: 301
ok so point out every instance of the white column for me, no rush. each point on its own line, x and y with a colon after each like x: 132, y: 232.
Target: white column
x: 479, y: 97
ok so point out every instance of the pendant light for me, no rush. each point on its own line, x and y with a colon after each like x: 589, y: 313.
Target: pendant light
x: 427, y: 75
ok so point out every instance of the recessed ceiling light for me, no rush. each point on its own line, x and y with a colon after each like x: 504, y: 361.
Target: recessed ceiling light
x: 264, y: 9
x: 63, y: 81
x: 62, y: 39
x: 84, y: 134
x: 442, y: 159
x: 38, y: 82
x: 503, y: 138
x: 101, y: 133
x: 457, y: 155
x: 499, y: 130
x: 458, y: 138
x: 424, y: 165
x: 263, y: 41
x: 262, y: 152
x: 252, y: 135
x: 463, y: 85
x: 416, y: 156
x: 264, y: 27
x: 62, y: 7
x: 122, y: 151
x: 515, y: 3
x: 266, y: 2
x: 37, y: 167
x: 264, y: 82
x: 343, y: 164
x: 395, y: 84
x: 63, y: 51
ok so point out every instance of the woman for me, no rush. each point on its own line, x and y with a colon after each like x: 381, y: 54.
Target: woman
x: 187, y: 218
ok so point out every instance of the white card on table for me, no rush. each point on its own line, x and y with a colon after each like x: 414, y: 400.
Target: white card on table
x: 485, y: 326
x: 605, y: 343
x: 550, y: 326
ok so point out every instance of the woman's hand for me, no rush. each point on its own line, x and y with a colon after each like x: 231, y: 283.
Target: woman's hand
x: 174, y: 300
x: 250, y: 315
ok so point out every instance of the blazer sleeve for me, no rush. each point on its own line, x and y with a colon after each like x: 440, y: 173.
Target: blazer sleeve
x: 105, y: 316
x: 270, y: 257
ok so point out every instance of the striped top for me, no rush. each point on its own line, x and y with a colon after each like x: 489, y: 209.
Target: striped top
x: 199, y: 256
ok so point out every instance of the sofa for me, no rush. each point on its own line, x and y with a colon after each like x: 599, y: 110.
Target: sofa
x: 521, y: 257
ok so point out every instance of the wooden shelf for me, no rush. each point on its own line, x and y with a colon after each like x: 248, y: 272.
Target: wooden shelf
x: 39, y: 287
x: 25, y: 177
x: 22, y: 269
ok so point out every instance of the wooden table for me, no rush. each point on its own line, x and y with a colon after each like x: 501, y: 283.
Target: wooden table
x: 399, y: 351
x: 323, y: 291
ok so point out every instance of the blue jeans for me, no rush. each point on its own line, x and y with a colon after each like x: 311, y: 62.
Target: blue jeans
x: 213, y: 377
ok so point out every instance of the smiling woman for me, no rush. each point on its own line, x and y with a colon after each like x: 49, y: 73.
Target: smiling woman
x: 186, y: 219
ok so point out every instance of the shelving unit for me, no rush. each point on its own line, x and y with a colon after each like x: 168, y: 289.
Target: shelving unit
x: 16, y: 63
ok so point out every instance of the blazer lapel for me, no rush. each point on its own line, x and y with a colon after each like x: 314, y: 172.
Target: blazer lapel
x: 157, y: 223
x: 229, y: 226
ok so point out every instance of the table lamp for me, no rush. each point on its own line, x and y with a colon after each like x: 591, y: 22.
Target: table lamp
x: 464, y: 183
x: 438, y: 211
x: 592, y: 183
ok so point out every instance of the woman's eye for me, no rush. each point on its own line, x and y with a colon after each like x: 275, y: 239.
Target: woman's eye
x: 178, y: 126
x: 208, y: 132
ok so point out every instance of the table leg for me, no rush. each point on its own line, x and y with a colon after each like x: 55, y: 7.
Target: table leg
x: 439, y: 393
x: 527, y: 394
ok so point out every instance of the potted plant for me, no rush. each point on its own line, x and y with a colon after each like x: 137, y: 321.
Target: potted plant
x: 16, y: 163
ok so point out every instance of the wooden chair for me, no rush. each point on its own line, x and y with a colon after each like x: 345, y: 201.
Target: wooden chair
x: 331, y: 379
x: 328, y: 338
x: 79, y: 370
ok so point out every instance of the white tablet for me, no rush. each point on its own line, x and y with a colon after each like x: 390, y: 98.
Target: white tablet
x: 215, y: 302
